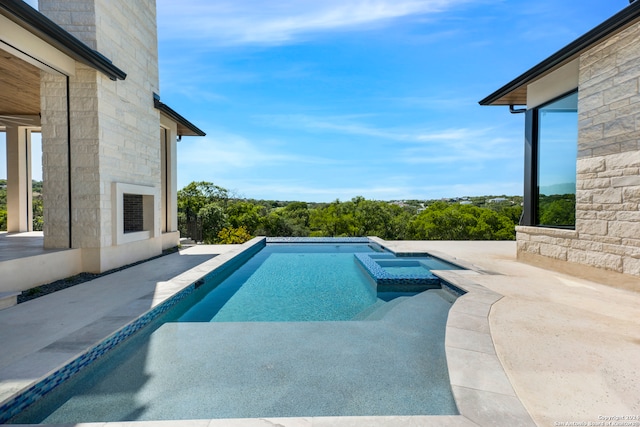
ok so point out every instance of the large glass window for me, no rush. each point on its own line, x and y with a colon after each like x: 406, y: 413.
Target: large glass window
x: 557, y: 142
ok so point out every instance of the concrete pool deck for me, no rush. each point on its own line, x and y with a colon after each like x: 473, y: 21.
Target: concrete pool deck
x: 570, y: 347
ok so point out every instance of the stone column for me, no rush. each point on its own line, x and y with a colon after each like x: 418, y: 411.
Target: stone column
x: 19, y: 211
x: 113, y: 129
x: 55, y: 165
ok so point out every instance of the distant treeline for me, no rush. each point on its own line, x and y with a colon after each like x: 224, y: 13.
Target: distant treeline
x: 211, y: 214
x: 36, y: 204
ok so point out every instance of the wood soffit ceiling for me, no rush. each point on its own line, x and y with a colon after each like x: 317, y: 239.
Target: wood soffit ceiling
x: 516, y: 97
x: 19, y: 86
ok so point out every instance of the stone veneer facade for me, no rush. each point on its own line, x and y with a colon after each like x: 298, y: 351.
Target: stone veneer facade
x: 115, y: 130
x: 607, y: 232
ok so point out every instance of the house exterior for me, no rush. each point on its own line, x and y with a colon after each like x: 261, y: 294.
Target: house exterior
x: 84, y: 73
x: 582, y: 151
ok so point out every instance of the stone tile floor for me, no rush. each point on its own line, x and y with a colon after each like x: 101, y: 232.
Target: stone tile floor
x: 18, y: 245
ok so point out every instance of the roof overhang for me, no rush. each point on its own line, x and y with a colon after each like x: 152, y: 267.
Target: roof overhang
x: 31, y: 49
x: 185, y: 127
x: 36, y: 23
x: 515, y: 92
x: 19, y: 87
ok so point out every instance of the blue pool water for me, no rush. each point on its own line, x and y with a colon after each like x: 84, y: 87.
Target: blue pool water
x: 237, y: 347
x: 285, y: 283
x: 413, y: 265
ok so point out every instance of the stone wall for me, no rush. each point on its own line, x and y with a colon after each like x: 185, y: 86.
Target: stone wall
x: 85, y: 160
x: 115, y: 129
x: 78, y: 17
x: 55, y: 172
x: 607, y: 233
x: 129, y: 123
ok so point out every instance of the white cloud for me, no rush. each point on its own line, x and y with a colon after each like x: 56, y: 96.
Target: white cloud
x: 464, y: 146
x: 481, y: 140
x: 349, y: 125
x: 294, y: 191
x: 222, y: 152
x: 280, y: 21
x: 470, y: 146
x: 338, y: 124
x: 451, y: 102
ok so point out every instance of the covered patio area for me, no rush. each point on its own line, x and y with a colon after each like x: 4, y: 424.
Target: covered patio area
x: 22, y: 245
x: 109, y: 168
x: 26, y: 263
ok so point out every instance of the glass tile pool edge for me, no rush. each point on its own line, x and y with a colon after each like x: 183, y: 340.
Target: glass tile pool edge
x: 28, y: 395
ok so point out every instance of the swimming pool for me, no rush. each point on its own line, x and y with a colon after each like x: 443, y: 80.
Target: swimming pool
x: 190, y: 365
x: 288, y: 283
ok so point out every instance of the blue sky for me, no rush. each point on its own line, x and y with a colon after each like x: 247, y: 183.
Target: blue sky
x: 324, y: 100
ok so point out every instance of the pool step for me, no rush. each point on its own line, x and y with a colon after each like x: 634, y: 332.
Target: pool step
x: 378, y: 310
x: 367, y: 311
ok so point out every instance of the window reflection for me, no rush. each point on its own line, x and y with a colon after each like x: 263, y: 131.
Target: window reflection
x: 557, y: 154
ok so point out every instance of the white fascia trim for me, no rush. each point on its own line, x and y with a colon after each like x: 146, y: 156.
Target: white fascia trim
x: 32, y: 49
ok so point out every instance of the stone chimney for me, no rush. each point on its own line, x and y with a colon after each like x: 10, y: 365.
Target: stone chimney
x: 113, y: 126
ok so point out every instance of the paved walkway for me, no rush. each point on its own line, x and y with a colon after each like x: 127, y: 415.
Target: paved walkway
x: 569, y: 346
x: 40, y: 334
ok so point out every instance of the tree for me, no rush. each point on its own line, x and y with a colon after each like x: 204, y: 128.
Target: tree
x: 370, y: 217
x: 38, y: 212
x: 37, y: 208
x: 207, y: 213
x: 231, y: 235
x: 398, y: 227
x: 283, y: 223
x: 191, y: 200
x: 212, y: 219
x: 382, y: 219
x: 245, y: 214
x: 512, y: 212
x: 336, y: 219
x: 296, y: 218
x: 441, y: 221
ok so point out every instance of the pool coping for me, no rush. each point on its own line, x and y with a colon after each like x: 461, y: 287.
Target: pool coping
x: 168, y: 294
x: 481, y: 389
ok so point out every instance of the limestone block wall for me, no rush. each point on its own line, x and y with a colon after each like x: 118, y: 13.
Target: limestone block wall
x: 115, y: 129
x: 78, y: 17
x: 607, y: 233
x: 53, y: 98
x: 129, y: 123
x: 85, y: 160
